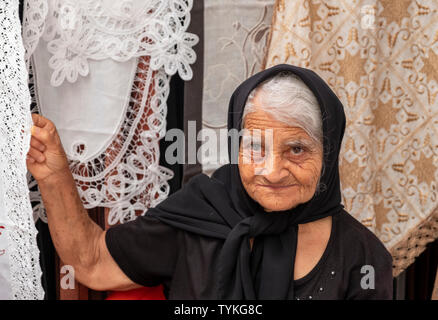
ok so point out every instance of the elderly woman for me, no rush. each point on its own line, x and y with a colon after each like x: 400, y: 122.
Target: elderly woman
x: 268, y: 227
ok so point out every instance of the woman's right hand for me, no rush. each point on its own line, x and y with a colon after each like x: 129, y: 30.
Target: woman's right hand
x: 46, y: 157
x: 79, y: 242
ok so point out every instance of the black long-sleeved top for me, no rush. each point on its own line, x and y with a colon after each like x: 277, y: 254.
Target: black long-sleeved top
x: 150, y: 253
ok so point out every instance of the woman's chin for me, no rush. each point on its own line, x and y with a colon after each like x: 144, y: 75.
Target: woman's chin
x: 269, y: 207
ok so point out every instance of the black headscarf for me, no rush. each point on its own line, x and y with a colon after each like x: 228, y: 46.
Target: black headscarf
x: 219, y: 207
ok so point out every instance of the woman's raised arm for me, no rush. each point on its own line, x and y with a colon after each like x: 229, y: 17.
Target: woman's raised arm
x: 79, y: 242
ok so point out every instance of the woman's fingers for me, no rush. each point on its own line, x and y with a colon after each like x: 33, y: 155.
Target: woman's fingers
x: 40, y: 121
x: 42, y: 135
x: 30, y: 160
x: 36, y: 155
x: 38, y: 149
x: 37, y: 144
x: 46, y: 155
x: 44, y: 131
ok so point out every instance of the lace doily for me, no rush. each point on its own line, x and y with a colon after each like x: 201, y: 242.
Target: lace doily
x: 125, y: 175
x: 118, y: 166
x: 77, y: 31
x: 19, y: 251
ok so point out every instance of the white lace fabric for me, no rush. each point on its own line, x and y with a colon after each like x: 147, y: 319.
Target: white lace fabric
x: 102, y: 71
x: 80, y: 30
x: 18, y: 233
x: 124, y: 175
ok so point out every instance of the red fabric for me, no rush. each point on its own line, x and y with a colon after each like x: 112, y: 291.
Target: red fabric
x: 145, y: 293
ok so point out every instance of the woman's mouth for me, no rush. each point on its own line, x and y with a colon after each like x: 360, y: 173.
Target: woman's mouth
x: 276, y: 187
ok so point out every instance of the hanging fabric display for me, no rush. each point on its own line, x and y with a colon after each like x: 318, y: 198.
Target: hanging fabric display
x: 235, y: 42
x: 20, y: 273
x: 101, y: 74
x: 381, y: 59
x: 78, y: 31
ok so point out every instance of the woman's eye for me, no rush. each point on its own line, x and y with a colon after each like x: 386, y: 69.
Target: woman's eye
x: 296, y: 150
x: 256, y: 147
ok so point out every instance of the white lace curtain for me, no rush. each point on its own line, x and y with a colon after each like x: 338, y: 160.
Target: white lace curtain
x: 101, y: 73
x: 20, y: 273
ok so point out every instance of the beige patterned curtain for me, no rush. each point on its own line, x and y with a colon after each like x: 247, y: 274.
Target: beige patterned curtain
x: 381, y: 59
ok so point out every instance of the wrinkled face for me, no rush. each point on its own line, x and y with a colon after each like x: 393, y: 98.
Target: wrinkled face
x: 279, y: 165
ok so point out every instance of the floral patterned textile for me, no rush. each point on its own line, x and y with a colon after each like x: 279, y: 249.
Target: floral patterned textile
x: 381, y: 59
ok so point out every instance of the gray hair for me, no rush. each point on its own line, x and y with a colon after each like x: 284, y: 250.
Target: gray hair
x: 288, y: 99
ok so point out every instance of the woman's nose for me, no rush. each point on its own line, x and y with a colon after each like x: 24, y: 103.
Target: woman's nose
x: 274, y: 170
